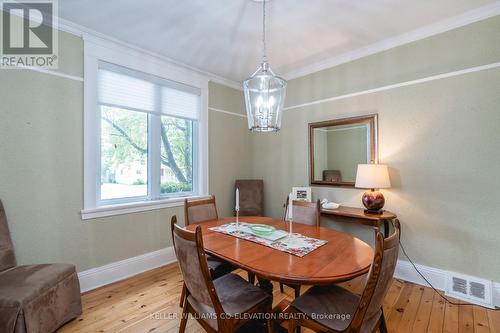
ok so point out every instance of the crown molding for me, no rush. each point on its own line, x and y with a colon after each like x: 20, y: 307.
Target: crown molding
x: 455, y: 22
x: 84, y: 32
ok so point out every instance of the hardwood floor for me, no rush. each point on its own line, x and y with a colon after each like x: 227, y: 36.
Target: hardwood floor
x: 150, y: 303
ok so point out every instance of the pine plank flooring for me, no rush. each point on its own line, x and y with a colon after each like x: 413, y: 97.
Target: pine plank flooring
x: 149, y: 302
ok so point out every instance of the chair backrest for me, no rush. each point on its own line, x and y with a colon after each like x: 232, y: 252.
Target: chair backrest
x: 379, y: 277
x: 306, y: 212
x: 192, y: 261
x: 251, y: 196
x: 198, y: 211
x: 285, y: 207
x: 332, y: 176
x: 7, y: 256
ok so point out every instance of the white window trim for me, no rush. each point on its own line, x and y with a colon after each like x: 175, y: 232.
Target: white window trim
x: 95, y: 50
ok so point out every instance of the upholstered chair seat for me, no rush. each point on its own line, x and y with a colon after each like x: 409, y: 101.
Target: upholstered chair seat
x: 340, y: 305
x: 236, y: 296
x: 218, y: 267
x: 38, y: 298
x: 34, y: 298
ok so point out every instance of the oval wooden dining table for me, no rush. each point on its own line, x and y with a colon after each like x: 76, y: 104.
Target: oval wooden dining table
x: 342, y: 258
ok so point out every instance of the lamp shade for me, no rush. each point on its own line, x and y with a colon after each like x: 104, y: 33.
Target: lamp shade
x: 372, y: 176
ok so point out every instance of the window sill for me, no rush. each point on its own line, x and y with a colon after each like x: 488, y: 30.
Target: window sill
x: 135, y: 207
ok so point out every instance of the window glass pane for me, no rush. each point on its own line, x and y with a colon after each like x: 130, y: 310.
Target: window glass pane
x: 124, y: 153
x: 176, y: 155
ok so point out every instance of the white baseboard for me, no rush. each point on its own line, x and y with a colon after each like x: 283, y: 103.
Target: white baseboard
x: 116, y: 271
x: 437, y: 277
x: 120, y: 270
x: 496, y: 294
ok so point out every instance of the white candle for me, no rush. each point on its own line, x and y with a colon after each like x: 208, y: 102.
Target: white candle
x: 237, y: 208
x: 290, y: 206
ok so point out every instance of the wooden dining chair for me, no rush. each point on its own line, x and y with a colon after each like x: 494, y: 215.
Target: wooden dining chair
x: 199, y: 211
x: 220, y: 305
x: 304, y: 212
x: 251, y: 196
x: 285, y: 208
x: 203, y: 210
x: 348, y: 312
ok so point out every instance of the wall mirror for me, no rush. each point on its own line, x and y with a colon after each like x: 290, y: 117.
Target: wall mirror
x: 336, y: 147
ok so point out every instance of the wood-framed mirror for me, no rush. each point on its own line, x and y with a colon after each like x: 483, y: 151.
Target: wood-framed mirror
x: 336, y: 147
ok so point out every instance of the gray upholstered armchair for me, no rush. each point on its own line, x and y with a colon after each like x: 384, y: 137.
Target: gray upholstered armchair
x: 34, y: 298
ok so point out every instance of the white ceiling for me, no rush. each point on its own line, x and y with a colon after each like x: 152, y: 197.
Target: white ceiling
x: 223, y: 37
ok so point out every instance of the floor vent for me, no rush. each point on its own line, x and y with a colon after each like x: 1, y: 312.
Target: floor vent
x: 469, y: 289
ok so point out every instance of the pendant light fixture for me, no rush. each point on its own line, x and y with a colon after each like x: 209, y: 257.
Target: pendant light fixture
x: 264, y: 93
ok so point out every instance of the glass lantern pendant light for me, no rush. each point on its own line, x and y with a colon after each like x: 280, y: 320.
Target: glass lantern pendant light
x: 264, y: 93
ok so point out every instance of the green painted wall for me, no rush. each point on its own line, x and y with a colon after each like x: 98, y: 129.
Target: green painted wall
x: 440, y: 138
x: 228, y: 145
x: 227, y: 99
x: 41, y: 170
x: 469, y: 46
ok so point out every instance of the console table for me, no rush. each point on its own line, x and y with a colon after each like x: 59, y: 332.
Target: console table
x: 358, y: 215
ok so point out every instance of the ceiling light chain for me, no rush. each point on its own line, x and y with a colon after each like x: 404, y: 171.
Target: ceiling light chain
x: 264, y: 48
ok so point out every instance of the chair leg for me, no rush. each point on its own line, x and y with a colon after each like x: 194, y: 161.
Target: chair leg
x: 183, y: 295
x: 383, y: 324
x: 184, y: 318
x: 269, y: 324
x: 297, y: 291
x: 251, y: 278
x: 281, y: 288
x: 292, y: 325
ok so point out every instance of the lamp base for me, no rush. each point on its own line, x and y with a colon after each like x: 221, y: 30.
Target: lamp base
x: 374, y: 212
x: 373, y: 201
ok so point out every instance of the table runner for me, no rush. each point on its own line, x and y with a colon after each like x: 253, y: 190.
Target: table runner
x: 297, y: 244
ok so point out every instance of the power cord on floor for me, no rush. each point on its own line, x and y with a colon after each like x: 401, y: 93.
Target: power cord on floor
x: 446, y: 299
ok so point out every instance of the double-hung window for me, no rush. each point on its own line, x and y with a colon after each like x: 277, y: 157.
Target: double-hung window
x: 148, y: 137
x: 148, y: 127
x: 145, y: 131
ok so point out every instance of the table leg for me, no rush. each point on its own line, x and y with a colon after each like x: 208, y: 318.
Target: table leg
x: 265, y: 285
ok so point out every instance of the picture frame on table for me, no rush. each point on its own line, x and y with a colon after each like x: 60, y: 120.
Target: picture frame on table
x: 302, y: 193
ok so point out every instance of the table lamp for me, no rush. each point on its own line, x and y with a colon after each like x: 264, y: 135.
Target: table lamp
x: 373, y: 177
